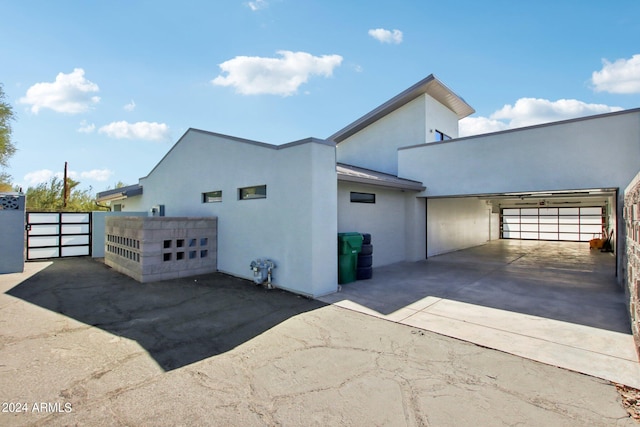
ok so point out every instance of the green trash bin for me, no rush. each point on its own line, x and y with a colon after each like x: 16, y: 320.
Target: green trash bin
x: 349, y: 246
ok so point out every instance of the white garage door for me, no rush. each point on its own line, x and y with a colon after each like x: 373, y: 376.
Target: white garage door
x: 570, y: 224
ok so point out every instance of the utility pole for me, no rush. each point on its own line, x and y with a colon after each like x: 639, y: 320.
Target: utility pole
x: 65, y: 189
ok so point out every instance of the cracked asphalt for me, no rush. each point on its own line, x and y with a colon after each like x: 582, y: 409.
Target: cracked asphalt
x: 83, y: 345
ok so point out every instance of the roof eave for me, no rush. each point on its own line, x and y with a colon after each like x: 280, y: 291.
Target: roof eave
x: 119, y: 193
x: 359, y: 180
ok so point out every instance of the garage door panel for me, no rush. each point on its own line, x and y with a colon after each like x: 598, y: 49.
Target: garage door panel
x: 544, y: 228
x: 591, y: 220
x: 548, y: 236
x: 569, y: 211
x: 574, y: 237
x: 569, y: 219
x: 570, y: 224
x: 527, y: 235
x: 586, y: 228
x: 591, y: 211
x: 548, y: 212
x: 569, y: 228
x: 549, y: 220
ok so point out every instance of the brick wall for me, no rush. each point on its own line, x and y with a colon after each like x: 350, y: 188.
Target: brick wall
x: 632, y: 276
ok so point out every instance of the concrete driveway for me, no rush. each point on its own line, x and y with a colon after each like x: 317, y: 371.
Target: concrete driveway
x: 83, y: 345
x: 553, y: 302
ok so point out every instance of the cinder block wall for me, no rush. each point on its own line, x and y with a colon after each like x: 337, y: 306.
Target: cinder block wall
x: 632, y: 276
x: 159, y: 248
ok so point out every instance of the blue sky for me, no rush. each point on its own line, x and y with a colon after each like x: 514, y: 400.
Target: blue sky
x: 110, y: 86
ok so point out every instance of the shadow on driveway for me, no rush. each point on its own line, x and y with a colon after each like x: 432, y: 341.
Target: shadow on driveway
x: 177, y: 321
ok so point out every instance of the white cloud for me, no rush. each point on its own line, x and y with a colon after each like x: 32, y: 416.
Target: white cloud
x: 257, y: 5
x: 44, y: 175
x: 70, y: 93
x: 531, y: 111
x: 86, y: 127
x: 140, y: 130
x: 38, y: 177
x: 97, y: 174
x: 130, y: 106
x: 253, y: 75
x: 386, y: 36
x: 621, y: 76
x: 479, y: 125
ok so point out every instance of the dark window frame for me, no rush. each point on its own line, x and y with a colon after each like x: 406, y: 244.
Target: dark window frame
x: 441, y: 136
x: 259, y: 192
x: 359, y: 197
x: 209, y: 198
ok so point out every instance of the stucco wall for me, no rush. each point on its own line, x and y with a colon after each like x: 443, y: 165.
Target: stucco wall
x: 457, y: 223
x: 394, y: 222
x: 439, y: 117
x: 295, y: 226
x: 375, y: 147
x: 597, y: 152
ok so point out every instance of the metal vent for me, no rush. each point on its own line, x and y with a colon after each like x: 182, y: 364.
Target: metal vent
x: 9, y: 203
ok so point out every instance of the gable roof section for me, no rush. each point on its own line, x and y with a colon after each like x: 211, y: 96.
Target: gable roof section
x: 350, y: 173
x: 429, y: 85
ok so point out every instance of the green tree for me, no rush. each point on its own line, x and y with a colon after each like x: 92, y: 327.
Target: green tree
x: 7, y: 148
x: 49, y: 197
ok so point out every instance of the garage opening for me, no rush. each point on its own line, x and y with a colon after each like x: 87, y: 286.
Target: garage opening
x: 455, y: 223
x: 573, y: 224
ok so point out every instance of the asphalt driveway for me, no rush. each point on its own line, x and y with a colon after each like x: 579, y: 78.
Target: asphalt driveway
x: 83, y: 345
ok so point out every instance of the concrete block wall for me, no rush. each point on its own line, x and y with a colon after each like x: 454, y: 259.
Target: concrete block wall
x: 632, y: 276
x: 159, y: 248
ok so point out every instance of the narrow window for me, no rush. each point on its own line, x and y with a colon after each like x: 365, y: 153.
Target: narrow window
x: 441, y: 136
x: 362, y: 197
x: 212, y: 197
x: 257, y: 192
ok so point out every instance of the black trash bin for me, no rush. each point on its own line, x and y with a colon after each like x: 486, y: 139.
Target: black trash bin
x: 365, y: 259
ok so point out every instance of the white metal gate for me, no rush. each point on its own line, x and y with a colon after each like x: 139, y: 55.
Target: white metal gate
x: 578, y: 224
x: 58, y: 234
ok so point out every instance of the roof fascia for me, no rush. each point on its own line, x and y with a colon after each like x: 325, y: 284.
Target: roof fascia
x: 526, y: 128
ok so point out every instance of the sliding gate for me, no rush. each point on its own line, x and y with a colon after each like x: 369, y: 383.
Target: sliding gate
x: 58, y: 234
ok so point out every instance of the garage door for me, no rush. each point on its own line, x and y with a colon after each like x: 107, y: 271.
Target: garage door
x: 579, y: 224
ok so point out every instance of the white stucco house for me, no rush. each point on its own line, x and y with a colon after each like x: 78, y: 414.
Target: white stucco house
x: 401, y: 174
